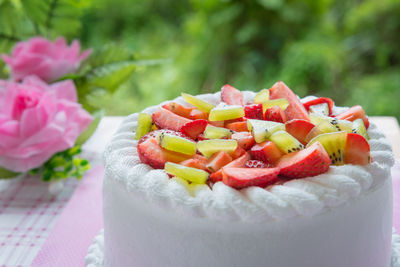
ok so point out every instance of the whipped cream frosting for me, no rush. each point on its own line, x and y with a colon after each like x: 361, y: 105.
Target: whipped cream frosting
x: 300, y: 197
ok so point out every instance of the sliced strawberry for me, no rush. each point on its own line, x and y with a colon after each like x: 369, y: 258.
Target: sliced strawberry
x: 240, y: 126
x: 299, y: 129
x: 217, y: 123
x: 218, y: 160
x: 238, y: 163
x: 254, y: 111
x: 178, y: 109
x: 353, y: 113
x: 152, y: 154
x: 308, y: 162
x: 255, y: 164
x: 275, y: 114
x: 235, y: 120
x: 357, y: 150
x: 197, y: 114
x: 245, y: 139
x: 318, y: 101
x: 231, y: 95
x: 267, y: 152
x: 238, y: 152
x: 244, y: 177
x: 295, y: 110
x: 166, y: 119
x: 198, y: 162
x: 194, y: 128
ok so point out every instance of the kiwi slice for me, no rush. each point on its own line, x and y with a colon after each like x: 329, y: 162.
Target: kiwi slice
x: 359, y: 128
x: 144, y: 125
x: 341, y: 125
x: 286, y: 142
x: 334, y: 144
x: 322, y: 109
x: 261, y: 130
x: 323, y: 127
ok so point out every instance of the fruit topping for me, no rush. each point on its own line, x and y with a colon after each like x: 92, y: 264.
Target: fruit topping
x: 295, y: 110
x: 286, y: 142
x: 267, y: 152
x: 240, y: 126
x: 209, y: 147
x: 213, y: 132
x: 261, y: 130
x: 334, y: 144
x: 197, y: 102
x: 353, y: 113
x: 311, y: 161
x: 144, y: 124
x: 321, y: 128
x: 254, y: 111
x: 231, y: 95
x: 275, y: 114
x: 218, y: 160
x: 255, y: 164
x: 178, y: 109
x: 152, y: 154
x: 240, y: 162
x: 244, y: 177
x: 223, y: 113
x: 299, y: 129
x: 321, y: 105
x: 238, y: 152
x: 187, y: 173
x: 177, y: 144
x: 166, y: 119
x: 197, y: 114
x: 245, y: 139
x: 197, y: 161
x: 359, y: 128
x: 261, y: 96
x: 357, y: 150
x: 280, y: 102
x: 194, y: 128
x: 340, y: 125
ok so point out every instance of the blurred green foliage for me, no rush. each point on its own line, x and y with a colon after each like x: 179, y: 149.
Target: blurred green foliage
x: 347, y: 50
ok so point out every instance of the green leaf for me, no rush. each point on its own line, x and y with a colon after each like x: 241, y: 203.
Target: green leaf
x: 97, y: 116
x: 6, y: 174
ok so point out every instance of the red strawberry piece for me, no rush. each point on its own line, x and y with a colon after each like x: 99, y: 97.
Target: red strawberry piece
x: 244, y: 177
x: 196, y: 114
x: 240, y: 126
x: 255, y: 164
x: 353, y: 113
x: 295, y: 110
x: 307, y: 162
x: 178, y: 109
x: 234, y: 120
x: 267, y: 152
x: 254, y: 111
x: 194, y: 128
x: 357, y: 150
x: 238, y: 152
x: 318, y: 101
x: 245, y: 139
x: 155, y: 134
x: 198, y: 162
x: 218, y: 160
x: 275, y: 114
x: 201, y: 137
x: 152, y: 154
x: 299, y: 129
x: 166, y: 119
x: 238, y: 163
x: 231, y: 95
x: 217, y: 123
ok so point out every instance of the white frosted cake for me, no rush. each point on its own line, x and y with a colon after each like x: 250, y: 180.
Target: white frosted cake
x: 341, y: 217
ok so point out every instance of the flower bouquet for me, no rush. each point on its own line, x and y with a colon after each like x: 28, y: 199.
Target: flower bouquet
x: 44, y: 113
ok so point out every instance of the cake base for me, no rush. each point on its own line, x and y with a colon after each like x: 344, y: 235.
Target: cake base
x: 95, y: 256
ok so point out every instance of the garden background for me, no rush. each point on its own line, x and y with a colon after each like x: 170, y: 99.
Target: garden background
x: 346, y: 50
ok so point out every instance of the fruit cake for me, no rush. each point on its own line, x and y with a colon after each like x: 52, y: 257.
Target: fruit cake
x: 238, y: 178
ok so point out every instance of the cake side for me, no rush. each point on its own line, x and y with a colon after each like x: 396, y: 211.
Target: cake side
x: 303, y: 197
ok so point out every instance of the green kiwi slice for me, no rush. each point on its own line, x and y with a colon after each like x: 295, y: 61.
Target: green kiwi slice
x: 286, y: 142
x: 334, y: 144
x: 359, y: 128
x: 261, y: 130
x: 322, y: 109
x: 340, y: 125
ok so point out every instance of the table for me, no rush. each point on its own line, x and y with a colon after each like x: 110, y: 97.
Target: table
x: 28, y: 213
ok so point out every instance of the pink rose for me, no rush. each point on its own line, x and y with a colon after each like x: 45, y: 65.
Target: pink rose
x: 37, y: 120
x: 48, y: 60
